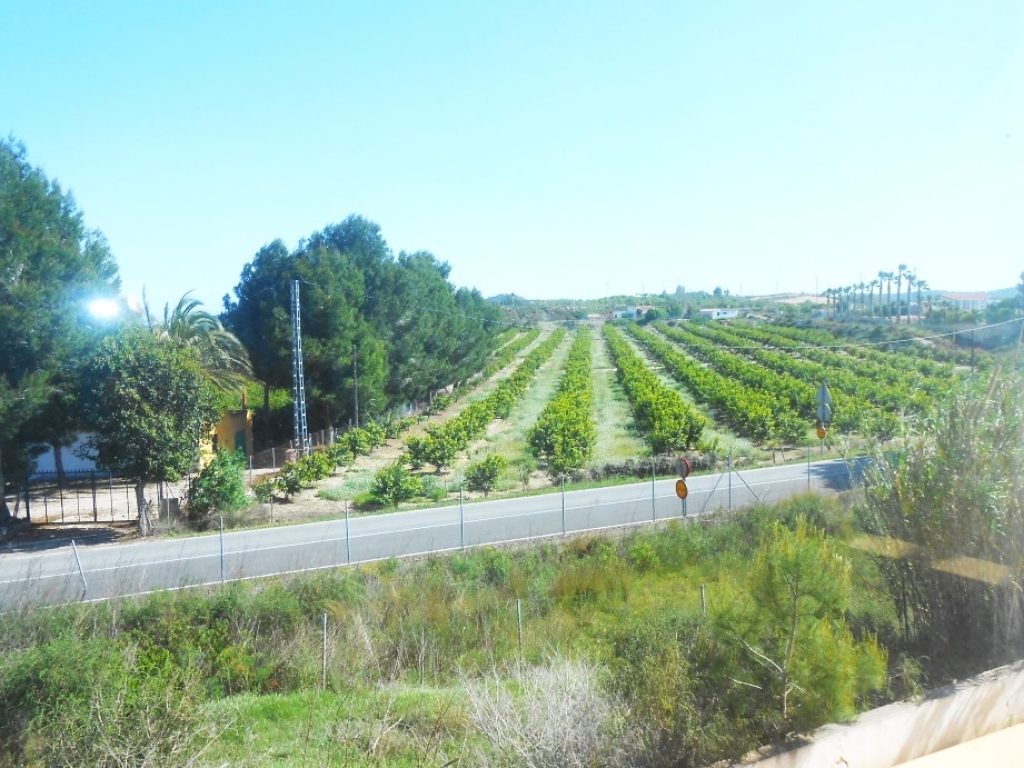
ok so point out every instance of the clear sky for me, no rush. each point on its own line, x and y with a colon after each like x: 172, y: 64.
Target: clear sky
x: 551, y: 149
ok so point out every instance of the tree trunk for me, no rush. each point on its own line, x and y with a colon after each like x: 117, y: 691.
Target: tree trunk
x: 140, y: 500
x: 5, y: 513
x: 58, y: 462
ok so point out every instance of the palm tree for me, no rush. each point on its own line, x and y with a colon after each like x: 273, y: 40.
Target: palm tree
x: 871, y: 296
x: 899, y: 287
x: 922, y: 285
x: 911, y: 279
x: 220, y: 352
x: 887, y: 277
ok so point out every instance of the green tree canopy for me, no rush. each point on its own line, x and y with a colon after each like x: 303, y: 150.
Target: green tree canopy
x: 803, y: 655
x: 397, y: 328
x: 51, y: 266
x: 148, y: 405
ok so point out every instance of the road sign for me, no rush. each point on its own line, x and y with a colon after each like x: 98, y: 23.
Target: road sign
x: 822, y: 432
x: 681, y: 490
x: 683, y: 467
x: 824, y: 413
x: 824, y: 402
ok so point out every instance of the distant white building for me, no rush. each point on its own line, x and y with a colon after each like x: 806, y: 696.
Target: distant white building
x: 632, y: 313
x: 720, y: 314
x: 967, y: 302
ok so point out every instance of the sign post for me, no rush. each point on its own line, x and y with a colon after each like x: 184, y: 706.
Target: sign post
x: 823, y: 400
x: 683, y: 468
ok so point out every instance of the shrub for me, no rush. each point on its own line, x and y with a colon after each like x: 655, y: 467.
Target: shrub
x: 264, y: 491
x: 358, y: 442
x: 644, y: 556
x: 673, y: 674
x: 559, y: 719
x: 394, y: 484
x: 434, y: 489
x: 483, y: 475
x: 219, y: 486
x: 98, y: 703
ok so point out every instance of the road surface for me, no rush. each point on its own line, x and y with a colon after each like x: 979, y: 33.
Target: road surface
x: 98, y: 572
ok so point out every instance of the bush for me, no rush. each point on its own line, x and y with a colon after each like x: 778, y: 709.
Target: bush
x: 559, y: 719
x: 434, y: 489
x: 264, y: 491
x: 395, y: 484
x: 98, y: 703
x: 673, y: 674
x: 220, y: 486
x: 358, y: 442
x: 483, y: 475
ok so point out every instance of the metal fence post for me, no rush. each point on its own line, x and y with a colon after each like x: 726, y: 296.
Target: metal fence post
x: 81, y: 571
x: 730, y: 481
x: 562, y: 478
x: 654, y: 503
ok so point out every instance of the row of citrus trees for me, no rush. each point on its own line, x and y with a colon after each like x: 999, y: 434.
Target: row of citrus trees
x: 443, y: 443
x: 929, y: 358
x: 747, y: 409
x: 894, y: 369
x: 848, y: 408
x: 760, y: 382
x: 565, y: 434
x: 867, y: 398
x: 307, y: 470
x: 512, y: 342
x: 667, y: 421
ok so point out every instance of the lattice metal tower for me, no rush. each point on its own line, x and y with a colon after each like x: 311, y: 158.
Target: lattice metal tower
x: 298, y: 378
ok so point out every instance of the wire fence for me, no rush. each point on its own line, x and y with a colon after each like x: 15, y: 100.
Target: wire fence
x: 85, y: 496
x: 72, y: 573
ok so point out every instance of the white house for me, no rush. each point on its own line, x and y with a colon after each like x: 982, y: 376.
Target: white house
x: 632, y: 313
x: 967, y: 302
x: 720, y: 314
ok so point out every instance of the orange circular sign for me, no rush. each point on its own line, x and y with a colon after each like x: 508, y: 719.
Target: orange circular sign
x: 822, y: 432
x: 681, y: 490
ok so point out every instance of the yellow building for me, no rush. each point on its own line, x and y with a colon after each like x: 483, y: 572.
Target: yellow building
x: 232, y: 433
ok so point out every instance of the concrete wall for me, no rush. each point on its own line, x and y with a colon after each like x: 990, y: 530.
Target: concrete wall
x: 900, y: 732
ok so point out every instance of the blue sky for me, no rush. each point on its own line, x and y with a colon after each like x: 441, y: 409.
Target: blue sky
x: 563, y: 149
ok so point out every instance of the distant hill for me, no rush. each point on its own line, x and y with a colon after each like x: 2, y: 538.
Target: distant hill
x: 1003, y: 293
x: 506, y: 299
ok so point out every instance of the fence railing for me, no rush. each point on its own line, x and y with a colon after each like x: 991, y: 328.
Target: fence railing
x: 77, y: 496
x: 67, y: 574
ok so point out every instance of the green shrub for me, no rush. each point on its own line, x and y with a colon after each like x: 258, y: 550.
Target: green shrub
x: 394, y: 484
x: 264, y: 491
x: 358, y: 442
x: 644, y: 555
x: 434, y: 489
x: 674, y: 672
x: 220, y: 486
x: 53, y: 693
x: 484, y: 475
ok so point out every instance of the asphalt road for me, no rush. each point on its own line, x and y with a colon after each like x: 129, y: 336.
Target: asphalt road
x: 97, y: 572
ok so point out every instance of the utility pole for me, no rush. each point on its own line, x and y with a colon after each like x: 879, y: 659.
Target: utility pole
x: 298, y: 378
